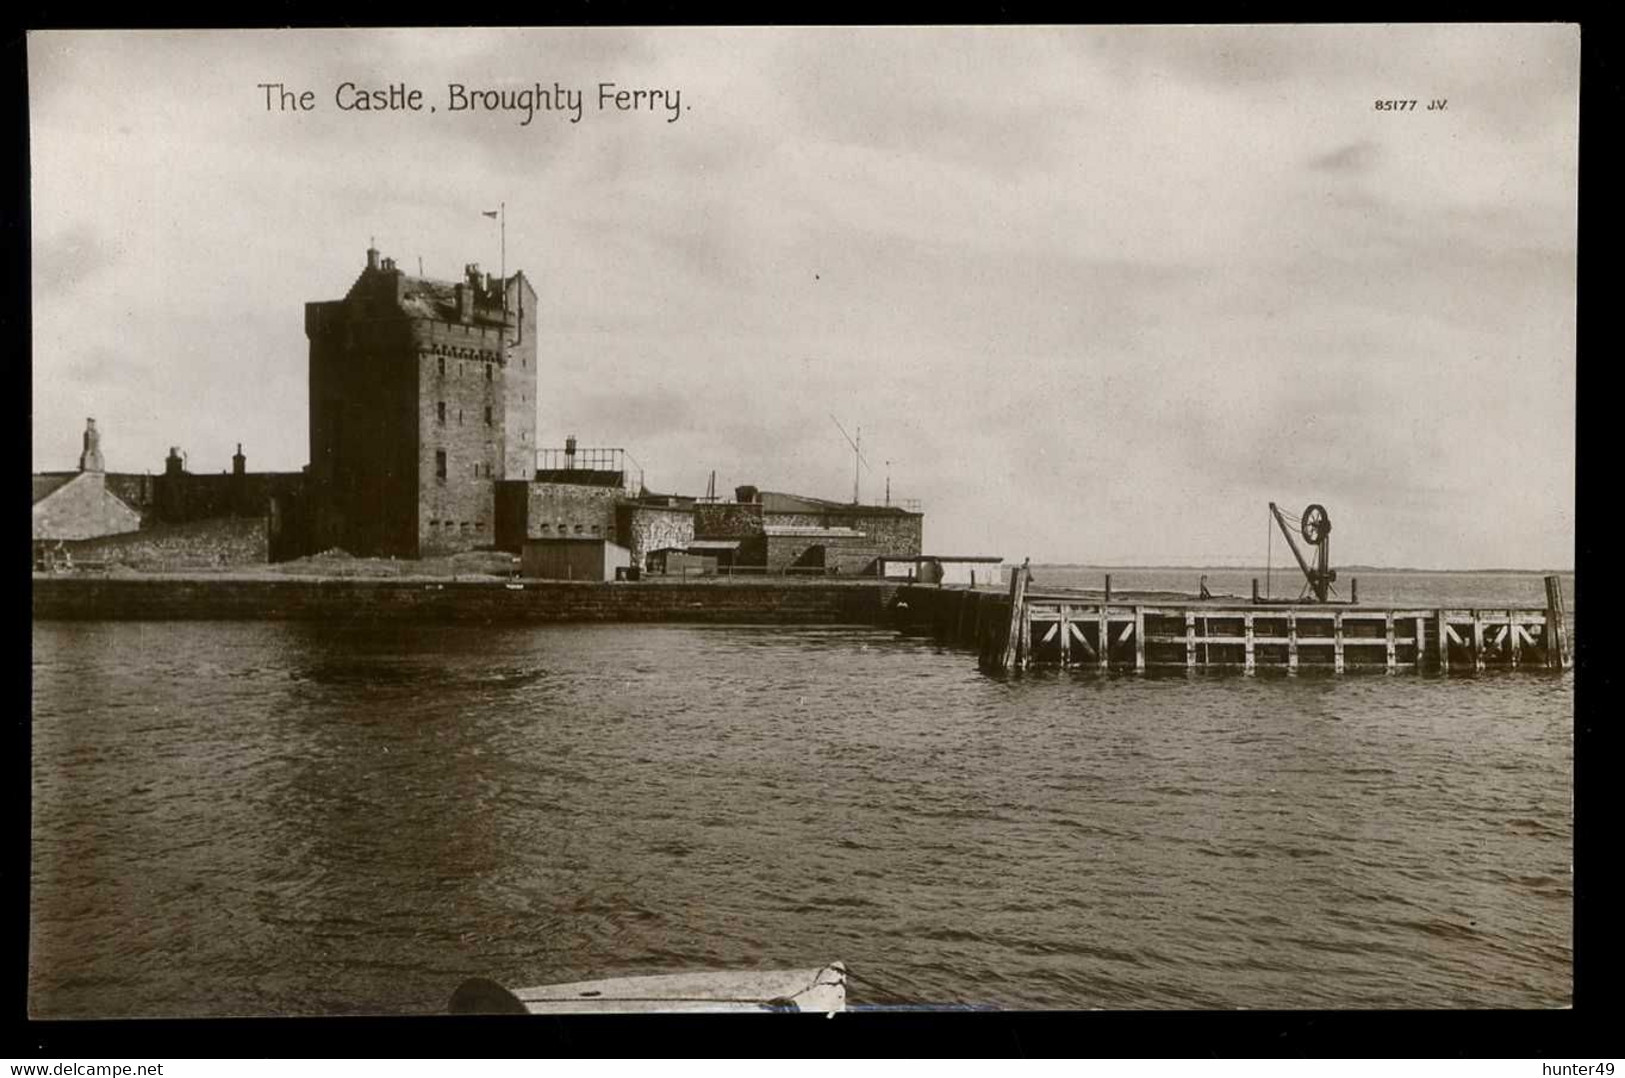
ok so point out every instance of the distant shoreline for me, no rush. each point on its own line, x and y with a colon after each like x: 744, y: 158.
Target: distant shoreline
x: 1341, y: 569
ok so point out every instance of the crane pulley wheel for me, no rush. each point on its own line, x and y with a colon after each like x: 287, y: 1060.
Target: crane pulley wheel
x: 1316, y: 525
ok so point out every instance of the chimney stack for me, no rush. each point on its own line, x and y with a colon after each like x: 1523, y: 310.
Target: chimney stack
x: 90, y: 460
x: 173, y: 465
x: 239, y: 463
x: 372, y: 258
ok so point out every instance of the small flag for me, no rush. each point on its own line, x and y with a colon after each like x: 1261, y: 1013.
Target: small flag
x: 492, y: 214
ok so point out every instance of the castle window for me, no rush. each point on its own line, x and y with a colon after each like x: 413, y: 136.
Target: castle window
x: 578, y: 529
x: 459, y: 417
x: 488, y: 372
x: 442, y: 366
x: 487, y: 413
x: 440, y: 464
x: 440, y: 412
x: 595, y: 529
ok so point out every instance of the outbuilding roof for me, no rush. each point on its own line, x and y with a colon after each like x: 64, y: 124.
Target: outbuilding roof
x: 803, y: 532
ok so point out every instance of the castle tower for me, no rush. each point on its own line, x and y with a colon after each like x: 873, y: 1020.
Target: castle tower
x: 422, y: 397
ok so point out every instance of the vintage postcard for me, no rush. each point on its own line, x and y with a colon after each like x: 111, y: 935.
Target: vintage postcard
x: 998, y: 518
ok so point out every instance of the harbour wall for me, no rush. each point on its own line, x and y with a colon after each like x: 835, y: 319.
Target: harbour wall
x: 482, y: 601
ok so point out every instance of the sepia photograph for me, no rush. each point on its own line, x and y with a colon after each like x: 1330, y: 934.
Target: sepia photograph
x: 567, y: 521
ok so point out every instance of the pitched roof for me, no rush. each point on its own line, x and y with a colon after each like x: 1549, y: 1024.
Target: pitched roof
x: 48, y: 483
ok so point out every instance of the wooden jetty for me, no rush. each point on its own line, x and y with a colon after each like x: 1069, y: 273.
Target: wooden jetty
x: 1145, y: 631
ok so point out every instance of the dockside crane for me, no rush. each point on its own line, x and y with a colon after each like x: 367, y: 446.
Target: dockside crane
x: 1314, y: 527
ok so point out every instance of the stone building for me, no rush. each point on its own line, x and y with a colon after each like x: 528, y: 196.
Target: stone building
x: 174, y: 516
x: 777, y: 532
x: 422, y: 414
x: 78, y: 505
x: 422, y: 400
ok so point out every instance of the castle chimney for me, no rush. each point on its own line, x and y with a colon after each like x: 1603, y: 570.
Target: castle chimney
x: 465, y: 302
x: 173, y: 464
x: 91, y: 459
x: 372, y: 258
x: 570, y: 451
x: 239, y: 463
x: 747, y: 495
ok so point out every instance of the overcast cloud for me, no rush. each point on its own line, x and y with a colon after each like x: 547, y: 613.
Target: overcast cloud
x: 1097, y: 294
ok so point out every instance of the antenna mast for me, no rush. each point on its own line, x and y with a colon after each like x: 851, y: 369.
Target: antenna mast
x: 857, y: 454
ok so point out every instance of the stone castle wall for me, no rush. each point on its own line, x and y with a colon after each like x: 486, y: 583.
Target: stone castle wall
x: 201, y: 544
x: 646, y: 528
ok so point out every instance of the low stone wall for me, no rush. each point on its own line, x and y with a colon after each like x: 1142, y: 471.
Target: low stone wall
x: 203, y: 598
x: 217, y: 542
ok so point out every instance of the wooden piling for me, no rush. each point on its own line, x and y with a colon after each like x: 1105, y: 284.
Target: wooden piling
x: 1066, y: 635
x: 1478, y: 641
x: 1018, y: 613
x: 1292, y: 642
x: 1190, y: 641
x: 1105, y: 655
x: 1388, y: 626
x: 1337, y: 645
x: 1557, y: 633
x: 1024, y: 657
x: 1139, y: 640
x: 1514, y: 637
x: 1444, y: 643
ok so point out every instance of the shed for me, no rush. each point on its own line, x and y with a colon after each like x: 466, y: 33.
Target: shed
x: 679, y: 561
x: 573, y: 559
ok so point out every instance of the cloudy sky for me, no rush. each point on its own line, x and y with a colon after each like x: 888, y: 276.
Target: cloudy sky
x: 1096, y: 294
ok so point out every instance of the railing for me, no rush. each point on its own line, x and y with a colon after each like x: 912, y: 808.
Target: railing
x: 587, y: 460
